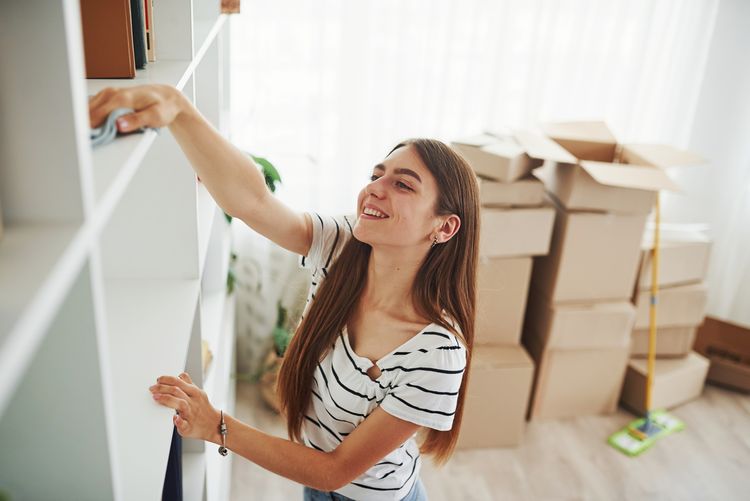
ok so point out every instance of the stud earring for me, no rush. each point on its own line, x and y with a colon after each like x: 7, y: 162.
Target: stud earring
x: 434, y: 242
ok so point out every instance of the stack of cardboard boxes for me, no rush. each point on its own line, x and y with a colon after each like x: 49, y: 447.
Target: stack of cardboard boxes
x: 679, y: 372
x: 516, y: 224
x: 580, y: 317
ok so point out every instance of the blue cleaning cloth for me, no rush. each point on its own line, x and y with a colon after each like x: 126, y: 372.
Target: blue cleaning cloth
x: 107, y: 132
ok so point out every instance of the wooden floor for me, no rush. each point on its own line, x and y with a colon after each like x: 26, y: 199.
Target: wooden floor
x: 566, y: 459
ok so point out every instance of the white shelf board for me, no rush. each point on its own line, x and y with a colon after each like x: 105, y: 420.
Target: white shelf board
x: 38, y: 264
x: 194, y: 476
x: 148, y: 329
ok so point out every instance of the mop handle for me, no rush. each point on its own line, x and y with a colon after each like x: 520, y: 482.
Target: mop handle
x: 652, y: 307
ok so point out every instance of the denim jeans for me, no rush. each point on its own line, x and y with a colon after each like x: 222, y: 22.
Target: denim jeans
x: 417, y: 493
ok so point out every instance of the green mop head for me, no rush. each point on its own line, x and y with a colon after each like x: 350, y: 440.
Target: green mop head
x: 641, y: 434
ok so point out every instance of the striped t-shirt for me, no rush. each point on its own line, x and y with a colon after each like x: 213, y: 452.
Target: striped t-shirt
x: 419, y: 382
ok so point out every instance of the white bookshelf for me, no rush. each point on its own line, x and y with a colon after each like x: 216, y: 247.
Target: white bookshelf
x: 113, y: 264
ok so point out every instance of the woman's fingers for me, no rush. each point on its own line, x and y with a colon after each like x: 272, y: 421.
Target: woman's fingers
x: 102, y: 104
x: 150, y: 117
x: 169, y: 390
x: 186, y: 377
x: 172, y: 402
x: 183, y: 426
x: 153, y: 105
x: 189, y: 389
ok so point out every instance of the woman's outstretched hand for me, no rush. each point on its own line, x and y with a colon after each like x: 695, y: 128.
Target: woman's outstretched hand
x: 155, y: 106
x: 197, y: 418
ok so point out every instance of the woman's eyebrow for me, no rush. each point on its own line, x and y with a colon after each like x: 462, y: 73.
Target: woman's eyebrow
x: 400, y: 170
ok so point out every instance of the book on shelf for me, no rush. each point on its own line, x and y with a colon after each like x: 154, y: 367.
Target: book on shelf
x: 107, y: 38
x: 139, y: 33
x: 148, y: 14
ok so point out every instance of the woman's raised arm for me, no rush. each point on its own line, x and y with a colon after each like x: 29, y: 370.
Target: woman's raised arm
x: 232, y: 178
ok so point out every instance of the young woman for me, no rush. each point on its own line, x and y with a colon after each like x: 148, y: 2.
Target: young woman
x: 384, y: 345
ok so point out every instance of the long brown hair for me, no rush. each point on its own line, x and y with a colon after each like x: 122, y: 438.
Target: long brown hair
x: 444, y: 291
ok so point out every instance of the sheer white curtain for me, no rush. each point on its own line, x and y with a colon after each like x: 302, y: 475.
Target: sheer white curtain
x: 326, y: 88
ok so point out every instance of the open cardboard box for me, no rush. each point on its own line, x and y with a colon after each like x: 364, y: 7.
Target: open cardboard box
x: 502, y: 288
x: 496, y: 158
x: 587, y: 169
x: 496, y: 397
x: 727, y: 345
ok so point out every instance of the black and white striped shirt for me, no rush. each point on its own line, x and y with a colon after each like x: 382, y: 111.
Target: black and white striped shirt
x: 419, y: 382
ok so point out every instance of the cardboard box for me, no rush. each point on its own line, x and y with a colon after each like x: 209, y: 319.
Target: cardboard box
x: 581, y: 351
x: 683, y: 305
x: 676, y: 381
x: 582, y: 171
x: 681, y: 260
x: 581, y: 382
x: 671, y: 342
x: 516, y: 232
x: 503, y: 285
x: 593, y: 256
x: 570, y: 326
x: 498, y: 159
x: 497, y: 396
x: 526, y: 192
x: 727, y: 345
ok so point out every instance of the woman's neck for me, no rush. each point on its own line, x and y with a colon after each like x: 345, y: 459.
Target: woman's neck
x: 390, y: 280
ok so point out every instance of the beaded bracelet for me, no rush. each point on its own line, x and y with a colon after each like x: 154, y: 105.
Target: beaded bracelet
x: 223, y: 431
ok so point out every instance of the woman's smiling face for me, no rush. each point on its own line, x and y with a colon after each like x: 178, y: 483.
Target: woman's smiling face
x: 400, y: 199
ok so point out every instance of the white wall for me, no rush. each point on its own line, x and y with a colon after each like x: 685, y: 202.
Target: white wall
x: 719, y: 194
